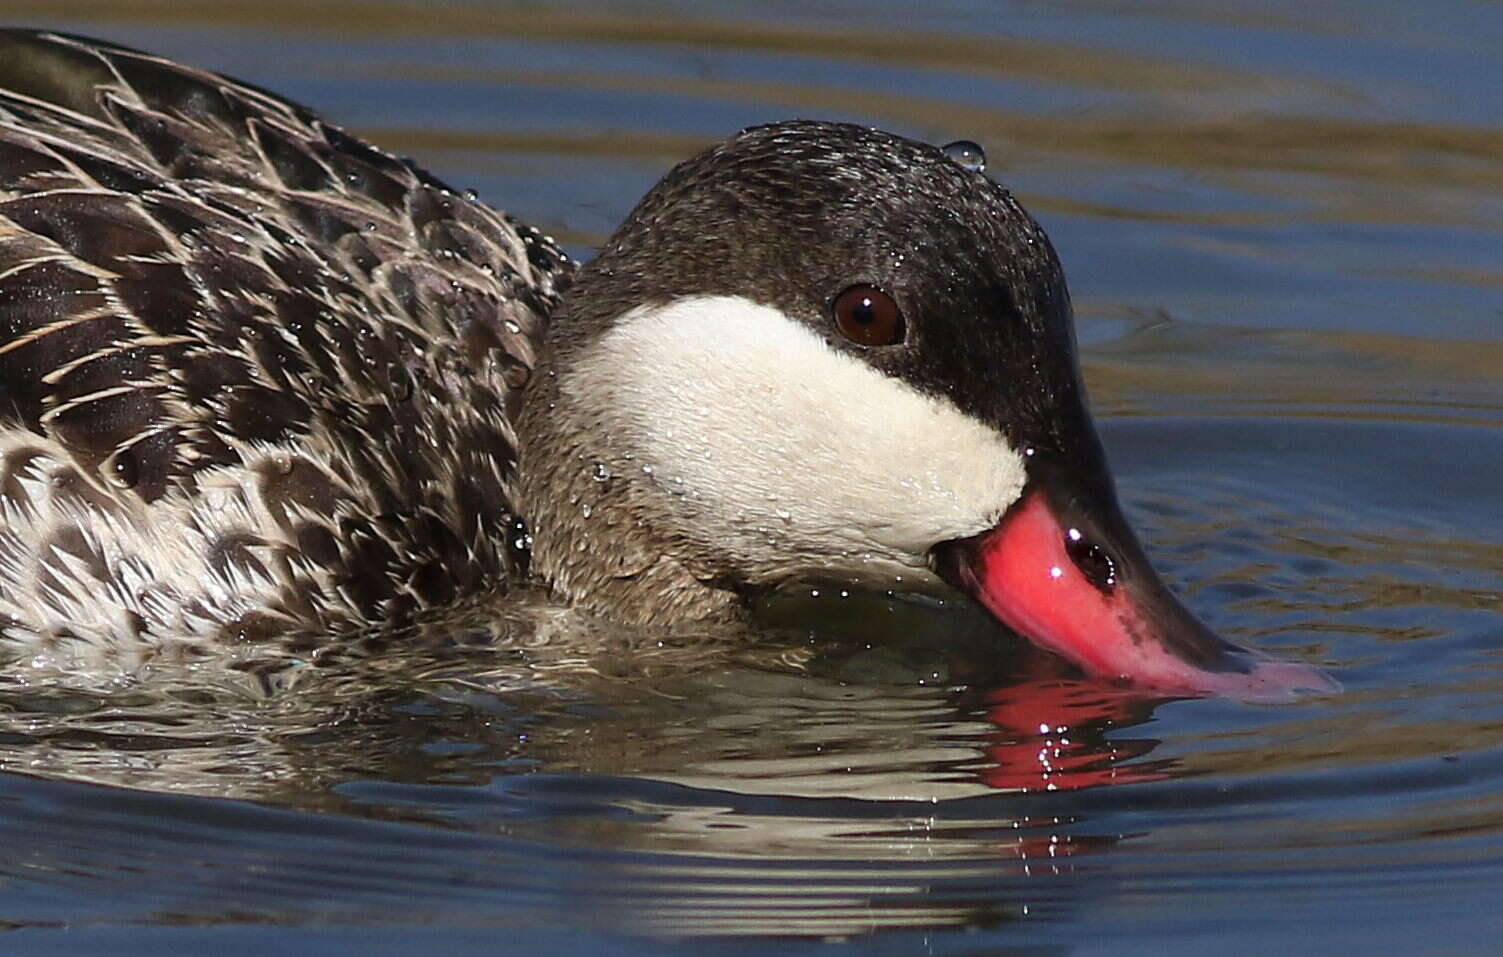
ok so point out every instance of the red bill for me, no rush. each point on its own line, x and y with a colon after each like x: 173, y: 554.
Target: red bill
x: 1066, y: 573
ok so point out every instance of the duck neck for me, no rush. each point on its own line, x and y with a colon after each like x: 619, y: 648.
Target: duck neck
x: 601, y: 539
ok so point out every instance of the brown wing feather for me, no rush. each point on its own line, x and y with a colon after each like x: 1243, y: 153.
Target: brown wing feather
x: 238, y: 345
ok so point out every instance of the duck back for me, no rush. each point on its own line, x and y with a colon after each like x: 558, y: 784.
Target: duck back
x: 257, y: 377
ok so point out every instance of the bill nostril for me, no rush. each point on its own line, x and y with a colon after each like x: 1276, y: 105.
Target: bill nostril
x: 1094, y: 562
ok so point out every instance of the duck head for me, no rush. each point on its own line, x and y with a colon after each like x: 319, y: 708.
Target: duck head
x: 818, y: 351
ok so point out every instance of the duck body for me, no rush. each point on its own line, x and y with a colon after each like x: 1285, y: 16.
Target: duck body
x: 256, y: 377
x: 264, y: 384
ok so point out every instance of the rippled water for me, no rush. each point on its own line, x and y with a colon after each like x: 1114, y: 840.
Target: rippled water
x: 1281, y: 227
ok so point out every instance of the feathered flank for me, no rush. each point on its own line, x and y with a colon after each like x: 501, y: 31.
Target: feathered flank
x: 256, y: 377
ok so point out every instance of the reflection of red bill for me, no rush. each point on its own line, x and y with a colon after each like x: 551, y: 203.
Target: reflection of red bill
x: 1053, y: 737
x: 1122, y: 625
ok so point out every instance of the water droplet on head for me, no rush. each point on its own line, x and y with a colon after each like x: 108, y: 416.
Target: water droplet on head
x: 401, y: 383
x: 600, y: 473
x: 124, y: 471
x: 967, y: 155
x: 586, y: 510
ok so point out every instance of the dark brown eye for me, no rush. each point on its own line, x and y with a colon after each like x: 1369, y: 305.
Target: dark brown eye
x: 868, y: 316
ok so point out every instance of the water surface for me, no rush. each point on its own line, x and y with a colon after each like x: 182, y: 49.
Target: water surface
x: 1280, y: 223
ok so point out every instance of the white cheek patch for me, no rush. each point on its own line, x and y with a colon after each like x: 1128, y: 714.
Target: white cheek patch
x: 799, y: 457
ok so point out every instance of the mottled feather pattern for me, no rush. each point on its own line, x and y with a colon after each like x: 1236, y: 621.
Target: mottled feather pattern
x: 256, y: 377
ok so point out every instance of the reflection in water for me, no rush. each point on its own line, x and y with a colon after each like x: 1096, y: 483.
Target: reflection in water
x: 460, y: 720
x: 1054, y: 736
x: 737, y: 801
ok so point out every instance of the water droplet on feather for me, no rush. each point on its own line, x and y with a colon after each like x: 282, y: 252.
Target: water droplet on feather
x: 124, y: 470
x: 967, y: 155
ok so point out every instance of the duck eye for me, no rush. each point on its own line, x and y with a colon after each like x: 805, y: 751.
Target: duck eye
x: 867, y: 316
x: 1094, y: 562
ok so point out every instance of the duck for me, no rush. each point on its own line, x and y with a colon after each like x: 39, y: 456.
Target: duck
x: 264, y: 382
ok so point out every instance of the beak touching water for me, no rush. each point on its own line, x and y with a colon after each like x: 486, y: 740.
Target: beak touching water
x: 1063, y: 570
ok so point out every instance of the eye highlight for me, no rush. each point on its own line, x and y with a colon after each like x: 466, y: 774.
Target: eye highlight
x: 868, y: 316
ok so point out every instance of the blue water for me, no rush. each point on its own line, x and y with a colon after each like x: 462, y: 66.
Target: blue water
x: 1281, y: 227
